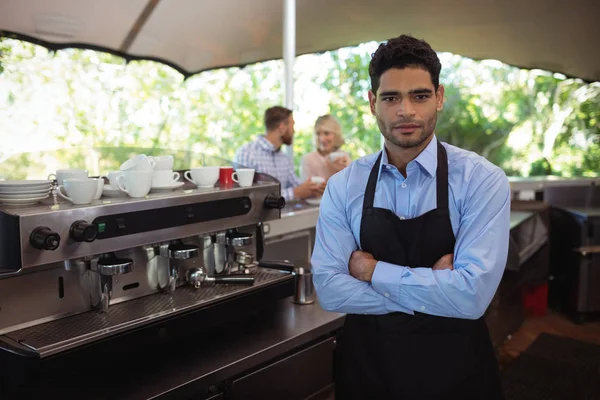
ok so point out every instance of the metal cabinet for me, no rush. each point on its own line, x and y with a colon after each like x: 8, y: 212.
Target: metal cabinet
x: 295, y: 377
x: 575, y: 261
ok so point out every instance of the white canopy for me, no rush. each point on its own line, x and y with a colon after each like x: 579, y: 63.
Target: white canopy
x: 196, y: 35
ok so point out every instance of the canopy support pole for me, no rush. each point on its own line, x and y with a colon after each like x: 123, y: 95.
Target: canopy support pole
x: 138, y: 25
x: 289, y: 55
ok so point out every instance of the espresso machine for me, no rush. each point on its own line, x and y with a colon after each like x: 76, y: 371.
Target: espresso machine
x: 124, y: 271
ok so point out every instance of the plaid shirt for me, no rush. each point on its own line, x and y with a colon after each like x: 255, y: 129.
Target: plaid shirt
x: 262, y: 156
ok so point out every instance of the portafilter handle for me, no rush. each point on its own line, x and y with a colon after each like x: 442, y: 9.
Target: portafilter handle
x: 238, y: 279
x: 197, y: 277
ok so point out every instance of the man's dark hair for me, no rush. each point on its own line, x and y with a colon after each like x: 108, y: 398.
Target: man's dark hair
x: 402, y: 52
x: 275, y: 116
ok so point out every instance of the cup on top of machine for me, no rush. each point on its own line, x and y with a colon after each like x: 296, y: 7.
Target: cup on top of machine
x: 163, y: 163
x: 135, y: 183
x: 243, y: 176
x: 226, y: 175
x: 203, y: 176
x: 164, y: 178
x: 141, y: 162
x: 79, y: 191
x: 100, y: 188
x: 112, y: 178
x: 67, y: 173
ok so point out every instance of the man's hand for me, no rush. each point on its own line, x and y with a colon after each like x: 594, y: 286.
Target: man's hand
x: 362, y: 265
x: 446, y: 262
x: 308, y: 189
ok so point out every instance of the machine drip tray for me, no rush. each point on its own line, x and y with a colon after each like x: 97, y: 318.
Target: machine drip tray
x: 67, y: 333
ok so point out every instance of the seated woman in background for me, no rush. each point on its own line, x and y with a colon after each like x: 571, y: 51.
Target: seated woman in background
x: 327, y: 159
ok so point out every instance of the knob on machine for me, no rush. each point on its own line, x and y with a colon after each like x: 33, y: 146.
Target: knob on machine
x: 273, y: 201
x: 81, y: 231
x: 44, y: 238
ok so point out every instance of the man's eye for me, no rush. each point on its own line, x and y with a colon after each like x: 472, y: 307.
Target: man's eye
x: 422, y: 96
x: 389, y: 99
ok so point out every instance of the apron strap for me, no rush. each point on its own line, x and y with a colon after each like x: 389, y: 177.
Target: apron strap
x: 372, y: 184
x: 441, y: 176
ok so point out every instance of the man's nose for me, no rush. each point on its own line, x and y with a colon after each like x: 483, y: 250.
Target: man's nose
x: 406, y: 109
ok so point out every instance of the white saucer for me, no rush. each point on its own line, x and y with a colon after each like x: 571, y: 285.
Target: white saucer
x: 313, y: 202
x: 172, y: 186
x: 22, y: 202
x: 22, y: 183
x: 23, y: 196
x: 109, y: 191
x: 21, y: 187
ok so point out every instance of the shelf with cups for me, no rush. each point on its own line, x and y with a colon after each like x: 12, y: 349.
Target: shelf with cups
x: 225, y: 176
x: 140, y: 177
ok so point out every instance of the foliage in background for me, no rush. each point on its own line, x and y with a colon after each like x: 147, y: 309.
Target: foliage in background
x: 528, y: 122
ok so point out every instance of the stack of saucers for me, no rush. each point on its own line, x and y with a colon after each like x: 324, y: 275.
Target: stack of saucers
x: 24, y: 193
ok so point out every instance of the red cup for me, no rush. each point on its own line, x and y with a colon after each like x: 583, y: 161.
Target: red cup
x: 225, y: 174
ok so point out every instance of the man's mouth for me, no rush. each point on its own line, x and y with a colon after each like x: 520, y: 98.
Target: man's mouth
x: 406, y: 128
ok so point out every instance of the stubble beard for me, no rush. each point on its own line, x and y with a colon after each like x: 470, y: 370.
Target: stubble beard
x: 288, y: 140
x: 407, y: 142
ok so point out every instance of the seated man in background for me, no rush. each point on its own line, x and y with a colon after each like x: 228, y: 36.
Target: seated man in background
x: 265, y: 155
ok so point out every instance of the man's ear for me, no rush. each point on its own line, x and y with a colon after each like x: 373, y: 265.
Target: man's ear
x: 439, y: 97
x: 372, y: 101
x: 281, y: 128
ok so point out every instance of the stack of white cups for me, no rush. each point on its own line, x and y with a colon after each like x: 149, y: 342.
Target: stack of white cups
x: 136, y: 176
x: 164, y: 177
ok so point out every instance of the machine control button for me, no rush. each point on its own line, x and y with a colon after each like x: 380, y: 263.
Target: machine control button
x: 44, y: 238
x: 274, y: 201
x: 190, y: 212
x: 81, y: 231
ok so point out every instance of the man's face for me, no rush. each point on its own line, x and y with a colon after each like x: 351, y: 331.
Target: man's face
x: 288, y: 131
x: 406, y: 106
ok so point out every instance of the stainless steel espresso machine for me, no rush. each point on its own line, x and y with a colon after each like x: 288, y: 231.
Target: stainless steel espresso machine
x: 93, y: 287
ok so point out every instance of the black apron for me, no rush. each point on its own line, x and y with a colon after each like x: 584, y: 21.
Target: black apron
x: 420, y: 356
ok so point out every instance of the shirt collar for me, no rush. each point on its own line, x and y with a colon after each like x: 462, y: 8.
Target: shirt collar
x: 427, y: 159
x: 265, y: 144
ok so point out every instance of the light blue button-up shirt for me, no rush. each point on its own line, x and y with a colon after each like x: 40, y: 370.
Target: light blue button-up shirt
x: 262, y: 156
x: 479, y: 202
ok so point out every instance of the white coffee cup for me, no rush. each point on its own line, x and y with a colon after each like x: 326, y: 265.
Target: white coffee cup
x: 68, y: 173
x: 243, y: 176
x: 164, y: 178
x: 100, y: 188
x: 135, y: 183
x: 203, y: 176
x: 317, y: 179
x: 112, y: 178
x: 163, y: 163
x: 79, y: 191
x: 335, y: 155
x: 141, y: 162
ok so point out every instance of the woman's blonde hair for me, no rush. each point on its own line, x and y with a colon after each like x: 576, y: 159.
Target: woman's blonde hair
x: 332, y: 125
